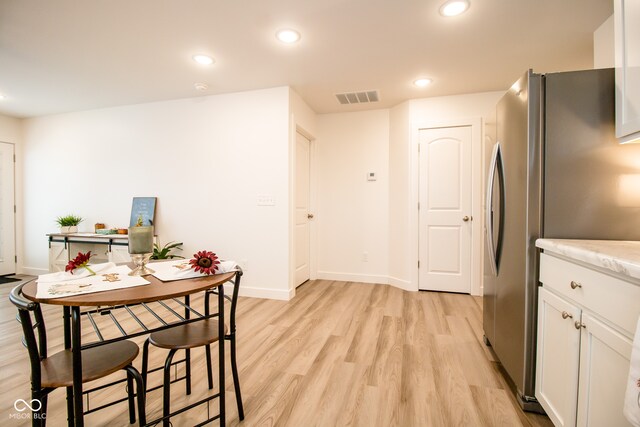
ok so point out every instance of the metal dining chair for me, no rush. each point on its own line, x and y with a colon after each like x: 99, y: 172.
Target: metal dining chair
x: 191, y: 335
x: 51, y: 372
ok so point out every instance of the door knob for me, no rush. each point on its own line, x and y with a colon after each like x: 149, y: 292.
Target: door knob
x: 310, y: 216
x: 466, y: 218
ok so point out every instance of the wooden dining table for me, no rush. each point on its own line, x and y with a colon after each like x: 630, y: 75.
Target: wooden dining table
x: 156, y: 290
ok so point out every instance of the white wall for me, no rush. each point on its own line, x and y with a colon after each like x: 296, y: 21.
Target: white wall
x: 604, y: 45
x: 10, y: 129
x: 304, y: 118
x: 356, y: 216
x: 400, y: 242
x: 447, y: 110
x: 454, y: 107
x: 353, y: 213
x: 206, y: 159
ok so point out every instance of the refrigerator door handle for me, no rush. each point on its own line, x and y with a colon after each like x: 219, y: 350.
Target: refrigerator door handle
x: 488, y: 208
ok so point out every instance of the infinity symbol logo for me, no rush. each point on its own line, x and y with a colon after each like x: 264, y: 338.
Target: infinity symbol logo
x: 33, y: 405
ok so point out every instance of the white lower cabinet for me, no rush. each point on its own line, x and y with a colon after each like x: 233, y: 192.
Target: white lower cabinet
x: 119, y: 254
x: 584, y: 347
x: 604, y: 368
x: 58, y: 256
x: 558, y: 357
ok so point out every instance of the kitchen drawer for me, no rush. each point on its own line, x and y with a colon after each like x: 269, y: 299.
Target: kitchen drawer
x: 614, y: 299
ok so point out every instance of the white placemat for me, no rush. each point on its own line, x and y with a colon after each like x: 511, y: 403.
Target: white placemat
x: 78, y: 273
x: 107, y: 278
x: 181, y: 269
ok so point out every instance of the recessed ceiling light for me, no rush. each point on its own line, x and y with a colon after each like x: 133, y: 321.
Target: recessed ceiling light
x: 288, y: 36
x: 203, y: 59
x: 454, y: 7
x: 422, y: 82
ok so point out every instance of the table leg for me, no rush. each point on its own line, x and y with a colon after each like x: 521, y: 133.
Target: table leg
x: 77, y: 366
x: 66, y: 320
x: 187, y: 353
x: 221, y: 353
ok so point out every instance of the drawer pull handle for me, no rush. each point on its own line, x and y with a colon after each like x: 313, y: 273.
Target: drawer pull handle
x: 575, y: 285
x: 566, y: 315
x: 579, y: 325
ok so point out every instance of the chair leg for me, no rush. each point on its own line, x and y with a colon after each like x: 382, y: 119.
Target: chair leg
x: 130, y: 393
x: 188, y: 370
x: 166, y: 389
x: 70, y: 406
x: 141, y: 393
x: 145, y: 363
x: 207, y: 350
x: 236, y: 379
x: 39, y: 415
x: 43, y: 410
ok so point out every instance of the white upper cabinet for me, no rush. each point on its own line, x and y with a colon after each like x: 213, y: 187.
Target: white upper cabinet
x: 627, y: 42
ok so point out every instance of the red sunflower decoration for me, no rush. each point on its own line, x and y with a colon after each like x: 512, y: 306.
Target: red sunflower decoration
x: 205, y: 262
x: 82, y: 260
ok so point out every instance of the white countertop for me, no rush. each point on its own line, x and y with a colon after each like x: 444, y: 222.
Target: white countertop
x: 619, y: 256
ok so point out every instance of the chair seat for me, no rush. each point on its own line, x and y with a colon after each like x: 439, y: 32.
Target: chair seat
x: 191, y: 335
x: 97, y: 362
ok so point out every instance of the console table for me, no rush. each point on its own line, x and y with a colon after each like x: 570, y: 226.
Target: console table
x: 103, y: 247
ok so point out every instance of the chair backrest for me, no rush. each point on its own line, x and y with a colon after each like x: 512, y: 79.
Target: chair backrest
x: 32, y: 321
x: 233, y: 299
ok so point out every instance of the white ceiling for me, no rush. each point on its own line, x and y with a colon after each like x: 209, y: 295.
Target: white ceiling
x: 68, y: 55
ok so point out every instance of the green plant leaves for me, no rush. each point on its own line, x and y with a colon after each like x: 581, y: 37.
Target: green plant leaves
x: 165, y: 251
x: 69, y: 220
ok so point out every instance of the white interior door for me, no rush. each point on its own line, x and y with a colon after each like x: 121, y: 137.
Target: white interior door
x: 302, y: 233
x: 445, y: 209
x: 7, y: 214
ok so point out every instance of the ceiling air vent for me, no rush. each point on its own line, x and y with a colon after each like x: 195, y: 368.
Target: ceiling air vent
x: 358, y: 97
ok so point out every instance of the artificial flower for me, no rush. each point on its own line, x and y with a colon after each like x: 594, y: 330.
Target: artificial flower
x: 82, y: 260
x: 205, y: 262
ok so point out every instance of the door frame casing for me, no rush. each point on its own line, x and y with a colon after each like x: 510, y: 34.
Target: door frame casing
x: 13, y: 211
x: 476, y: 196
x: 313, y: 230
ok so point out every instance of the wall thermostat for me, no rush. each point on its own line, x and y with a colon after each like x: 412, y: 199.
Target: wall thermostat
x: 371, y: 176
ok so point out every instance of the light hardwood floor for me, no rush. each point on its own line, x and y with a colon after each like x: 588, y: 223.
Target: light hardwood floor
x: 338, y: 354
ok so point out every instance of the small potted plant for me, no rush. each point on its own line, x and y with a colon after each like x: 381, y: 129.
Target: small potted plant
x: 69, y: 223
x: 165, y: 251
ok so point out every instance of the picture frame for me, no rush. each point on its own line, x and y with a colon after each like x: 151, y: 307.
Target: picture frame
x: 144, y: 207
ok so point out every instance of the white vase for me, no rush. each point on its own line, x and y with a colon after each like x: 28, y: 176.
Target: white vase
x: 69, y: 230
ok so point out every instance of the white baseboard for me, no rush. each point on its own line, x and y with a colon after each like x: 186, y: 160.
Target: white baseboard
x: 278, y: 294
x: 350, y: 277
x: 32, y: 271
x: 367, y: 278
x: 402, y: 284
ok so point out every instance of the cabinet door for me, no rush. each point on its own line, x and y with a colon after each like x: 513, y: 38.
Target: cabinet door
x: 627, y: 35
x: 98, y: 251
x: 119, y: 254
x: 604, y: 369
x: 558, y: 356
x: 58, y: 256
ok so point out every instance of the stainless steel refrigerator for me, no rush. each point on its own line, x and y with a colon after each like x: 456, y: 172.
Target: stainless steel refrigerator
x: 556, y: 170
